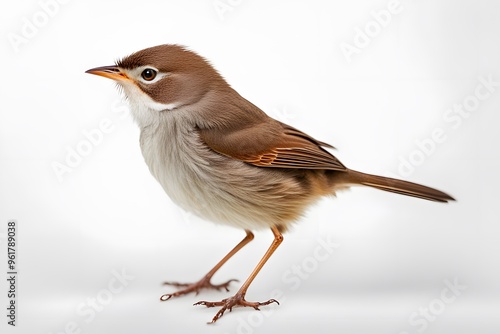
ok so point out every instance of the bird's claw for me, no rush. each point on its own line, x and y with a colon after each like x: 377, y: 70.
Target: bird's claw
x: 229, y: 303
x: 204, y: 283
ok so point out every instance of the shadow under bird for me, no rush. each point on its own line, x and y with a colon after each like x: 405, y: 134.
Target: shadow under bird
x: 222, y: 158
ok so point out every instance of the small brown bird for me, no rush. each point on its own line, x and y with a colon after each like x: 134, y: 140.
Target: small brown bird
x: 222, y: 158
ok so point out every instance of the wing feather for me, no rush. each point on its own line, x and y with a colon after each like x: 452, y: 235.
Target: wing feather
x: 271, y: 144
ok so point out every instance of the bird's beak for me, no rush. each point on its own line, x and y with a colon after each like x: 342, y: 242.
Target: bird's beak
x: 111, y: 72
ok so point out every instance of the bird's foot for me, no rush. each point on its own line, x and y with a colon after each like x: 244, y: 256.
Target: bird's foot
x: 229, y: 303
x: 204, y: 283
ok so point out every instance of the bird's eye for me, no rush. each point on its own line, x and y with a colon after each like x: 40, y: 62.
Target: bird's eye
x: 148, y: 74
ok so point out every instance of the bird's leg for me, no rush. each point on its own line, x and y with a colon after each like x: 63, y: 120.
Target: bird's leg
x: 205, y: 283
x: 239, y: 298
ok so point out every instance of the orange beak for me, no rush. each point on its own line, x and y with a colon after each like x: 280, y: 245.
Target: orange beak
x: 111, y: 72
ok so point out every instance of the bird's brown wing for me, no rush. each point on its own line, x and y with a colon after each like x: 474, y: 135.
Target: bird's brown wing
x: 271, y: 144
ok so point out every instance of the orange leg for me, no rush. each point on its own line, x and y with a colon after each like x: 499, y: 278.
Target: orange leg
x: 239, y: 298
x: 205, y: 281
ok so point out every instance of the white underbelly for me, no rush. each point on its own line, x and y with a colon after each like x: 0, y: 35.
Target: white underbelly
x: 186, y: 172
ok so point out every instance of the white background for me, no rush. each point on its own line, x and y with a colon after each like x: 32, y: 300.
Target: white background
x: 108, y: 214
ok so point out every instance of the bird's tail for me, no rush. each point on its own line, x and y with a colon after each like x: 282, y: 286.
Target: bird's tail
x: 397, y: 186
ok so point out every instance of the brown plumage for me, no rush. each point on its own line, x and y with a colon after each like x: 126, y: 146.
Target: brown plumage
x: 220, y: 157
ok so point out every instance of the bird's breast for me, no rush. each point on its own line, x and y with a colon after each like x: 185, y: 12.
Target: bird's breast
x: 173, y: 156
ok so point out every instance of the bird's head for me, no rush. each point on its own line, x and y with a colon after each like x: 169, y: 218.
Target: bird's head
x: 162, y: 78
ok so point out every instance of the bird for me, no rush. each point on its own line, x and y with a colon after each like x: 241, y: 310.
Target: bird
x: 222, y: 158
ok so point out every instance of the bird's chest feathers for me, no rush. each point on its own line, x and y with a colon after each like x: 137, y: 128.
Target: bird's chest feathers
x: 176, y: 158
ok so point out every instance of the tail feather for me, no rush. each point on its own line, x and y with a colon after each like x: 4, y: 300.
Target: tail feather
x: 398, y: 186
